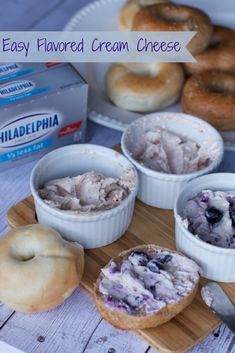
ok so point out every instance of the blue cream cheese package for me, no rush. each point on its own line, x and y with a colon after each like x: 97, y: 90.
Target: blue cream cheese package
x: 40, y: 111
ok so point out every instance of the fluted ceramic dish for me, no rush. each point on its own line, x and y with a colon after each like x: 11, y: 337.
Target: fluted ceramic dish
x: 217, y: 263
x: 90, y: 230
x: 160, y: 189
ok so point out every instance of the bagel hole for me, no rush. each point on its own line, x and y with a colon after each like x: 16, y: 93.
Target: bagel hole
x: 172, y: 16
x: 150, y: 70
x: 27, y: 258
x: 221, y: 88
x: 144, y: 3
x: 217, y: 89
x: 144, y: 73
x: 214, y: 43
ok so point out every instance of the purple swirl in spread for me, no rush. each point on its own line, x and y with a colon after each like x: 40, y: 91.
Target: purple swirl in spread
x: 88, y: 192
x: 144, y: 283
x: 210, y: 216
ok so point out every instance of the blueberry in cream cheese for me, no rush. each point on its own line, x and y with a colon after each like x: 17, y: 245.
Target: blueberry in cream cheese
x: 153, y: 266
x: 213, y: 215
x: 139, y: 258
x: 232, y: 214
x: 210, y: 216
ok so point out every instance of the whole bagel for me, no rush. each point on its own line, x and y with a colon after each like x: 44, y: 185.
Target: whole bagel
x: 130, y: 9
x: 144, y: 87
x: 220, y: 55
x: 172, y: 17
x: 38, y: 269
x: 211, y: 96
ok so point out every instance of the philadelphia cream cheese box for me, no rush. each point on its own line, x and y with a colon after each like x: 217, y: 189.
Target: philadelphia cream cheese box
x: 41, y: 111
x: 8, y: 71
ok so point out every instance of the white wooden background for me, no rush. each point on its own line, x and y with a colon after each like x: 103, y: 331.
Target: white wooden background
x: 75, y: 326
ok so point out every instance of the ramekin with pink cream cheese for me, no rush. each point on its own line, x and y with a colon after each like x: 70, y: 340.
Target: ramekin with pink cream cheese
x: 168, y: 150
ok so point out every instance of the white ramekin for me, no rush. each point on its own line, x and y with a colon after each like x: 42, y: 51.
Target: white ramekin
x: 217, y: 263
x: 90, y: 230
x: 161, y: 189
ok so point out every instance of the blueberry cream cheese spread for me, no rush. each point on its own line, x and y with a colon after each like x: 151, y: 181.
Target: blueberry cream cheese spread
x: 145, y: 282
x: 210, y: 216
x: 167, y: 152
x: 88, y: 192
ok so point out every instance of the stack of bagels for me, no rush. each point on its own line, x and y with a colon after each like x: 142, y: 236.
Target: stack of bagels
x: 206, y: 88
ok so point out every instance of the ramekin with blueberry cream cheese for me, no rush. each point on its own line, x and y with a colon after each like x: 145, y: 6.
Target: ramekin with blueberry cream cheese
x: 205, y: 224
x: 168, y: 150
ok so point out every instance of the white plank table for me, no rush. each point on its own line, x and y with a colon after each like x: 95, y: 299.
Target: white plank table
x: 75, y: 326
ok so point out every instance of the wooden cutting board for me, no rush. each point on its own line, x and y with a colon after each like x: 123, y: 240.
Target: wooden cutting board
x: 149, y: 225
